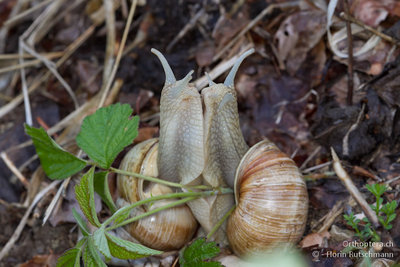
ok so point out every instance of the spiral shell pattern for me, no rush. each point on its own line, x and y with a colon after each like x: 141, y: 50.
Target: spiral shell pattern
x: 166, y: 230
x: 271, y: 199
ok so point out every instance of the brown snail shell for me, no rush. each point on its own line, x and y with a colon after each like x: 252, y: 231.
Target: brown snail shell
x: 167, y: 230
x: 271, y: 199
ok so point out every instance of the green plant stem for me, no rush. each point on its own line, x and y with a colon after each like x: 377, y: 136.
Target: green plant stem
x: 170, y: 205
x: 166, y: 196
x: 378, y: 199
x: 160, y: 181
x: 220, y: 222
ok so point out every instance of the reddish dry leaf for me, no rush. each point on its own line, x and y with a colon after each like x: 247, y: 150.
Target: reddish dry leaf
x: 314, y: 239
x: 41, y: 261
x: 5, y: 9
x: 297, y: 35
x: 205, y: 53
x: 138, y: 100
x: 146, y: 133
x: 371, y: 12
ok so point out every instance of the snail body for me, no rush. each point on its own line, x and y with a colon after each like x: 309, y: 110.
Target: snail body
x: 271, y: 199
x: 181, y: 129
x: 201, y: 143
x: 167, y: 230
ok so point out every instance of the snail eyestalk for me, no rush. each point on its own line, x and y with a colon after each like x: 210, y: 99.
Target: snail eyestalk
x: 169, y: 74
x: 182, y: 84
x: 210, y: 81
x: 231, y: 76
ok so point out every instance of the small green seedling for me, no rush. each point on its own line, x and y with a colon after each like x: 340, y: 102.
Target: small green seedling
x: 385, y: 213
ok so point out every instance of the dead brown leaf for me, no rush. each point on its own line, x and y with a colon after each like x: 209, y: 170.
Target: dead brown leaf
x: 297, y: 35
x: 314, y: 239
x: 49, y: 260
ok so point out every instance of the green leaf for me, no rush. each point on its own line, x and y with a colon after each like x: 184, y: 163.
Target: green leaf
x: 100, y: 241
x: 91, y: 257
x: 198, y: 252
x: 56, y: 162
x: 389, y: 208
x: 84, y: 192
x: 388, y: 227
x: 71, y: 257
x: 81, y: 222
x: 376, y: 189
x: 101, y: 187
x: 122, y: 215
x: 123, y: 249
x: 391, y: 217
x: 105, y: 133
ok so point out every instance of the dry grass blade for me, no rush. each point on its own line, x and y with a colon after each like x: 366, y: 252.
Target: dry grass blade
x: 15, y: 19
x: 107, y: 85
x: 110, y: 48
x: 35, y: 85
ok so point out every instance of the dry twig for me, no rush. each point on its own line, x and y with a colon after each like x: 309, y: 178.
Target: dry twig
x: 348, y: 17
x: 252, y: 23
x: 350, y: 58
x: 348, y: 183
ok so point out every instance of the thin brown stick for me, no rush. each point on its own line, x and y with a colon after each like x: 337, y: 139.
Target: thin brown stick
x: 310, y: 157
x: 348, y: 183
x: 345, y: 144
x: 350, y: 75
x: 252, y: 23
x: 190, y: 25
x: 330, y: 217
x: 384, y: 36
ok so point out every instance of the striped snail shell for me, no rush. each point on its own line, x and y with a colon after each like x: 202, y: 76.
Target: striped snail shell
x: 167, y: 230
x: 271, y: 199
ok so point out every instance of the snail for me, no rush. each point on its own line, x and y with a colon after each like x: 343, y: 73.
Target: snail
x: 181, y: 154
x: 167, y: 230
x: 201, y: 143
x: 271, y: 199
